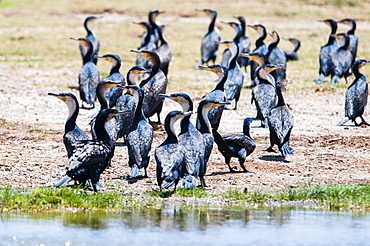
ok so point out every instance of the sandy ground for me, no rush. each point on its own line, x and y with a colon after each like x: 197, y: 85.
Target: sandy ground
x: 32, y: 153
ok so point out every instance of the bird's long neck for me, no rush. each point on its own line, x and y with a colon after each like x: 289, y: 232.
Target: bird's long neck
x: 261, y: 38
x: 139, y: 112
x: 211, y: 26
x: 72, y: 116
x: 100, y: 91
x: 87, y: 57
x: 220, y: 85
x: 87, y: 26
x: 149, y: 33
x: 242, y: 25
x: 205, y: 124
x: 334, y: 28
x: 131, y: 78
x: 234, y: 49
x: 154, y: 59
x: 353, y: 28
x: 170, y: 130
x: 346, y: 43
x: 101, y: 132
x: 115, y: 68
x: 356, y: 71
x: 161, y: 38
x: 297, y: 46
x: 246, y: 129
x: 238, y: 34
x: 280, y: 97
x: 184, y: 124
x: 272, y: 45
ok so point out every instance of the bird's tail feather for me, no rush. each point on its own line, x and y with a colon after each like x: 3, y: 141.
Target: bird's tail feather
x: 134, y: 171
x: 344, y: 121
x: 63, y: 181
x: 286, y: 149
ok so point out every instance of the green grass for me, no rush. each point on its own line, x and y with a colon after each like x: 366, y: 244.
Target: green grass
x: 42, y: 199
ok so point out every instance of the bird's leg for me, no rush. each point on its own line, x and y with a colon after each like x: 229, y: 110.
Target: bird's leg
x: 364, y: 121
x: 227, y: 161
x: 270, y: 149
x: 203, y: 183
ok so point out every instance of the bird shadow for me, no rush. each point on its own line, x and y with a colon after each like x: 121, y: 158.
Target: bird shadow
x: 277, y: 158
x: 131, y: 180
x: 223, y: 173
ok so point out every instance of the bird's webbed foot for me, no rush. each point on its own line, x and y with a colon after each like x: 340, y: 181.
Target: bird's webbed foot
x: 270, y: 149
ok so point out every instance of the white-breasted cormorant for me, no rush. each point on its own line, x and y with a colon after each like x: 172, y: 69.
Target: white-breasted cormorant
x: 236, y: 145
x: 356, y: 96
x: 127, y: 102
x: 341, y: 58
x: 209, y: 48
x: 281, y: 122
x: 139, y: 136
x: 152, y: 18
x: 325, y: 59
x: 169, y: 155
x: 261, y: 47
x: 276, y: 56
x: 90, y: 36
x: 244, y: 43
x: 88, y: 75
x: 217, y: 94
x: 206, y: 130
x: 226, y: 55
x: 235, y: 78
x: 257, y: 57
x: 91, y: 157
x: 353, y: 39
x: 149, y: 44
x: 153, y: 85
x: 293, y: 55
x: 72, y: 133
x: 264, y: 94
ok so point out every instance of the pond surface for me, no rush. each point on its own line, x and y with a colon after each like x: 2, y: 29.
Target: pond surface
x: 272, y: 226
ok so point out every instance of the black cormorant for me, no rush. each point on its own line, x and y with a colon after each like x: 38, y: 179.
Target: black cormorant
x: 112, y: 126
x: 72, y: 133
x: 341, y: 58
x: 169, y: 156
x: 155, y: 84
x: 90, y: 36
x: 356, y: 96
x: 209, y: 48
x: 164, y: 51
x: 244, y: 43
x: 127, y: 102
x: 280, y: 121
x: 152, y: 18
x: 217, y: 94
x: 326, y: 65
x: 139, y: 136
x: 226, y: 55
x: 88, y: 76
x: 148, y: 44
x: 353, y: 39
x: 261, y: 47
x: 293, y: 55
x: 236, y: 145
x: 235, y: 79
x: 91, y: 157
x: 191, y: 140
x: 264, y: 94
x: 276, y: 56
x: 206, y: 130
x: 114, y: 75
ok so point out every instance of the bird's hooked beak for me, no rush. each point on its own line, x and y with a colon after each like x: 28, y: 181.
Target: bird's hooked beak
x: 252, y: 26
x: 63, y: 98
x: 187, y: 113
x: 206, y: 68
x: 227, y: 44
x: 144, y: 71
x: 274, y: 67
x: 217, y: 104
x: 247, y: 55
x: 144, y: 54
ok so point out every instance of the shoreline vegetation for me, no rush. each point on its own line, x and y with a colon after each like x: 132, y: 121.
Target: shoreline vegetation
x: 330, y: 197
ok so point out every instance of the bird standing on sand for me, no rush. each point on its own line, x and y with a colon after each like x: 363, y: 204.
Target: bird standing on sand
x: 356, y: 96
x: 90, y: 36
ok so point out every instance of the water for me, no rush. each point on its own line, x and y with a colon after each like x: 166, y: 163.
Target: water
x: 183, y: 227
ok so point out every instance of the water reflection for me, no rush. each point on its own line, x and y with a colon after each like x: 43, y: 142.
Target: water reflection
x: 165, y: 226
